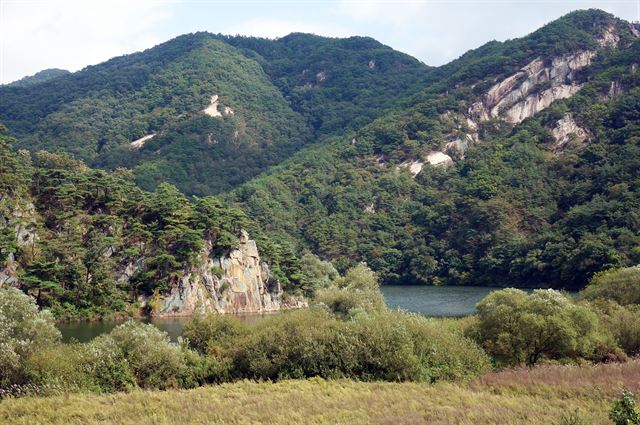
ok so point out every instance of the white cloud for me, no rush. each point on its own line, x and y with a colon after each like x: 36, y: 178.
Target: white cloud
x: 71, y: 34
x: 274, y: 28
x: 396, y: 13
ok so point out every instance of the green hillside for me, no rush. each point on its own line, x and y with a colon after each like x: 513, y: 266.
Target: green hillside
x: 265, y: 110
x: 512, y: 209
x: 336, y: 84
x: 86, y: 242
x: 39, y: 77
x: 515, y: 164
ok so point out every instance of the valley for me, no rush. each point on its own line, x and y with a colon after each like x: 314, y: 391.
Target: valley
x: 309, y: 229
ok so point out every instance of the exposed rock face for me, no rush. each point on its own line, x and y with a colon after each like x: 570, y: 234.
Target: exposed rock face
x: 536, y: 103
x: 567, y: 130
x: 212, y: 109
x: 137, y: 144
x: 236, y: 283
x: 22, y: 218
x: 610, y: 37
x: 414, y: 166
x: 532, y: 89
x: 615, y: 90
x: 439, y: 158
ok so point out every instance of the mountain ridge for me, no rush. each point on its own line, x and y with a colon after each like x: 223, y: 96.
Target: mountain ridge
x: 471, y: 173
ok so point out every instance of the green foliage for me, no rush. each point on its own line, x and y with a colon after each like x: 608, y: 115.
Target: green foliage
x: 619, y: 285
x: 369, y: 346
x: 212, y: 334
x: 154, y: 361
x: 23, y: 330
x: 622, y: 323
x: 359, y: 338
x: 39, y: 77
x: 272, y: 86
x: 133, y: 355
x: 83, y: 228
x: 510, y: 213
x: 623, y: 411
x: 515, y: 327
x: 357, y: 291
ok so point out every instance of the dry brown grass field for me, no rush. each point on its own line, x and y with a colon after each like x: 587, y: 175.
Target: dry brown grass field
x: 516, y: 396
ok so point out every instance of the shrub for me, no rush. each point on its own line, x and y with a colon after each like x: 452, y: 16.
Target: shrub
x: 297, y: 344
x: 106, y: 362
x: 444, y: 352
x: 23, y: 331
x: 378, y: 345
x: 623, y: 411
x: 515, y: 327
x: 619, y: 285
x: 385, y: 349
x: 213, y: 333
x: 61, y: 366
x: 622, y: 323
x: 154, y: 361
x: 357, y: 291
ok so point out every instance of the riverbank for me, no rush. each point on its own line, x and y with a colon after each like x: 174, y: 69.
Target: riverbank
x: 542, y: 395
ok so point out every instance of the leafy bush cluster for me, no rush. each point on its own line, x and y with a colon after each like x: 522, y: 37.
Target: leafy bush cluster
x: 515, y: 327
x: 348, y: 333
x: 363, y: 341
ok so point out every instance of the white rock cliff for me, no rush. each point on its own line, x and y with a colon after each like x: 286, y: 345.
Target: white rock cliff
x: 238, y: 282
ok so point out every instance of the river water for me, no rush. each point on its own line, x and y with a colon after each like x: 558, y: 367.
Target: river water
x: 435, y: 301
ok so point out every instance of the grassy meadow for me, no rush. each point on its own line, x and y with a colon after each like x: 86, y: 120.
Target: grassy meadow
x: 542, y: 395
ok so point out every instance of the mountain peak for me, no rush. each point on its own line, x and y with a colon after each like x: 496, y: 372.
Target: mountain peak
x: 39, y: 77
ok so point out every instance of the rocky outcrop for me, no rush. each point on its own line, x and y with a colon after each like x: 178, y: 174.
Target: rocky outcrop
x: 566, y: 131
x: 414, y: 166
x: 238, y: 282
x: 138, y: 143
x: 439, y: 158
x: 532, y: 89
x: 21, y: 218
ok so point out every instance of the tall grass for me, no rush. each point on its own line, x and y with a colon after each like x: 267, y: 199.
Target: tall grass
x: 543, y: 395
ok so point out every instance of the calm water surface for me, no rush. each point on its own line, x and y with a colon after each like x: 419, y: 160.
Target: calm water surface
x: 437, y: 301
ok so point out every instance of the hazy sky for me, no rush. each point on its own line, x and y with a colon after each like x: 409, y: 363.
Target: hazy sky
x: 71, y: 34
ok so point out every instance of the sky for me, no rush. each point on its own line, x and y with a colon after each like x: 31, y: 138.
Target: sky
x: 71, y: 34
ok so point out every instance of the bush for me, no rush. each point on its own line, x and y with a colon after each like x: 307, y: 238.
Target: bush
x: 515, y: 327
x: 62, y: 366
x: 132, y: 355
x: 443, y: 351
x: 622, y: 323
x: 106, y: 362
x: 23, y: 330
x: 357, y: 291
x: 374, y: 345
x: 154, y: 361
x: 623, y: 411
x: 620, y: 285
x: 212, y: 334
x: 297, y: 344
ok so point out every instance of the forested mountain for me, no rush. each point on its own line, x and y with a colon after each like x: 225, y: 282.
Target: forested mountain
x: 516, y: 164
x: 204, y: 115
x: 86, y: 242
x: 39, y: 77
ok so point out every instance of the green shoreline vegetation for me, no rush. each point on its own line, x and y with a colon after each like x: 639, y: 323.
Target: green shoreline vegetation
x: 348, y: 342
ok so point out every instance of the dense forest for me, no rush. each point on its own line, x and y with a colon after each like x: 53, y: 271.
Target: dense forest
x: 220, y: 174
x: 70, y: 232
x: 512, y: 208
x: 328, y: 146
